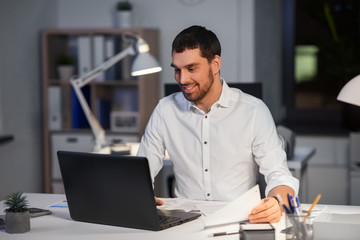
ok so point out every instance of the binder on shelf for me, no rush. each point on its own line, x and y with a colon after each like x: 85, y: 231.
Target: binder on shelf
x: 73, y: 47
x: 79, y: 119
x: 84, y: 54
x: 103, y: 114
x: 99, y: 55
x: 54, y: 108
x: 110, y: 74
x: 124, y: 70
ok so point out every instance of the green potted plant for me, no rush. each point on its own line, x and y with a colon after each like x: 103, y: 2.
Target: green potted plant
x: 124, y: 14
x: 65, y: 63
x: 17, y: 217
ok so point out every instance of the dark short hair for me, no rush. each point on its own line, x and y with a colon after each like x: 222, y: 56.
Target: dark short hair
x: 197, y: 37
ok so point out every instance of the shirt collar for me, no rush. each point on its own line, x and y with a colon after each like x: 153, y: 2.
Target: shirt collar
x: 224, y: 100
x: 226, y: 95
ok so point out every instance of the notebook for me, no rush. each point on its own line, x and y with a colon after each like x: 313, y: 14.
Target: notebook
x: 114, y: 190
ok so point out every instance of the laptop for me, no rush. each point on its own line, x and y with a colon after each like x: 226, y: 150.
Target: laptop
x: 114, y: 190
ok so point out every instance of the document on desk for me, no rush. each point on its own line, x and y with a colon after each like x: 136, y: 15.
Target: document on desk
x: 236, y: 211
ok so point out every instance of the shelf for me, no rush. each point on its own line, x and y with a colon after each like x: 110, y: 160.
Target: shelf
x: 115, y: 92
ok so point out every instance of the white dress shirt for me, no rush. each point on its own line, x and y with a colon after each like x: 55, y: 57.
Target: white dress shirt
x: 216, y: 155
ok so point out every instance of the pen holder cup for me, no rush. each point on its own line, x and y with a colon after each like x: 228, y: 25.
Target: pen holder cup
x: 297, y: 228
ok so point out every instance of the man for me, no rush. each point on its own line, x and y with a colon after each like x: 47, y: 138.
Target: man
x: 216, y: 137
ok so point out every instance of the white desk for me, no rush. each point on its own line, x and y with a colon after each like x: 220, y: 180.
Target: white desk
x: 59, y: 225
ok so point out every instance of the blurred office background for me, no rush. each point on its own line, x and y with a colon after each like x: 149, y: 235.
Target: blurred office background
x: 257, y: 38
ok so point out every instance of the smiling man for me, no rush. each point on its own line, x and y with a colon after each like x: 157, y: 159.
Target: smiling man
x: 217, y: 137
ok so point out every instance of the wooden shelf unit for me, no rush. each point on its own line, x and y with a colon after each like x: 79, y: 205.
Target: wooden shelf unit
x: 146, y: 88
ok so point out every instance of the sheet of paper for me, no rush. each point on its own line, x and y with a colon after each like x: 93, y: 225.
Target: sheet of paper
x: 205, y: 207
x: 236, y: 211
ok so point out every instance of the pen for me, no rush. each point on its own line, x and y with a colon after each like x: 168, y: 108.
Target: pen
x: 312, y: 206
x: 294, y: 209
x: 282, y: 203
x: 298, y: 204
x: 290, y: 203
x: 226, y: 233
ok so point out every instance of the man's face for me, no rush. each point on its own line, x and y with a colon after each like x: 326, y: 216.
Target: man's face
x: 193, y: 73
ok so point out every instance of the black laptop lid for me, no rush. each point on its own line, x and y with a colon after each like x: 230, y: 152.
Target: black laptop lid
x: 109, y: 189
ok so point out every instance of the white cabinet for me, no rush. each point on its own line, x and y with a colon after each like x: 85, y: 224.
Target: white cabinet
x: 328, y: 169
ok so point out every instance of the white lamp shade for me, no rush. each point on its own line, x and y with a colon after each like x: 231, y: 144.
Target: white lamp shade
x: 143, y: 64
x: 350, y: 93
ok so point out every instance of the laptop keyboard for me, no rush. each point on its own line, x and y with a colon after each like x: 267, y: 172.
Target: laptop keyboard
x: 167, y: 219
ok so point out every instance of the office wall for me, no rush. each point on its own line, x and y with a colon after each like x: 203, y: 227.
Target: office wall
x: 20, y: 159
x: 20, y: 71
x: 241, y: 26
x: 170, y: 17
x: 268, y: 52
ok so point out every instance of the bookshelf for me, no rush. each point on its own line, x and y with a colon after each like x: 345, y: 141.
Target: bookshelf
x: 115, y: 93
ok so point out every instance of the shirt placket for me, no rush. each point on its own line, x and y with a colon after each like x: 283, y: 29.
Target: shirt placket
x: 206, y: 156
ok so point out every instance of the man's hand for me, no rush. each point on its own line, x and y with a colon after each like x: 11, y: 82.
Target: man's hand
x: 158, y: 201
x: 267, y: 211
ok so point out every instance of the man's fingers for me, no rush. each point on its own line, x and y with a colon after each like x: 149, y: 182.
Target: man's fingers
x: 265, y: 203
x: 158, y: 201
x: 269, y: 215
x: 267, y: 211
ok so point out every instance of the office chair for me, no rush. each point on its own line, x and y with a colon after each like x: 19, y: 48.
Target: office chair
x: 165, y: 180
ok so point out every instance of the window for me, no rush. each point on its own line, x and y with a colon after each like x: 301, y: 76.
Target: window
x: 321, y: 47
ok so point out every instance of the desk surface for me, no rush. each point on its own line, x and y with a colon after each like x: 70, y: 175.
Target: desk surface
x: 59, y: 225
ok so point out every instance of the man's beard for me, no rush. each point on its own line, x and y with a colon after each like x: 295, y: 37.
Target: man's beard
x: 202, y: 92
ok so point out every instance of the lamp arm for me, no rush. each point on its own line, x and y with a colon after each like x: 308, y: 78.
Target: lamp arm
x: 78, y: 83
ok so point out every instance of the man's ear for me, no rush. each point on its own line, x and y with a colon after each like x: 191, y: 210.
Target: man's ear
x: 216, y: 64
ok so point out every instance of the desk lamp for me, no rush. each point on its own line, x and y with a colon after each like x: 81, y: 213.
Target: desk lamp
x: 350, y: 93
x: 143, y: 64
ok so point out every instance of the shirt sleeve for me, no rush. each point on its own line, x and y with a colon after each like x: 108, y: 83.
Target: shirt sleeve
x: 152, y: 144
x: 269, y: 153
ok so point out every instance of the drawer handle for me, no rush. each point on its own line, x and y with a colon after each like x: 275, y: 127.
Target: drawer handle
x: 72, y: 140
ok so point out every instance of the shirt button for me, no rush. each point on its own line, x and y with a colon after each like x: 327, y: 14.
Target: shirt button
x: 206, y: 170
x: 208, y: 194
x: 205, y: 142
x: 205, y: 116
